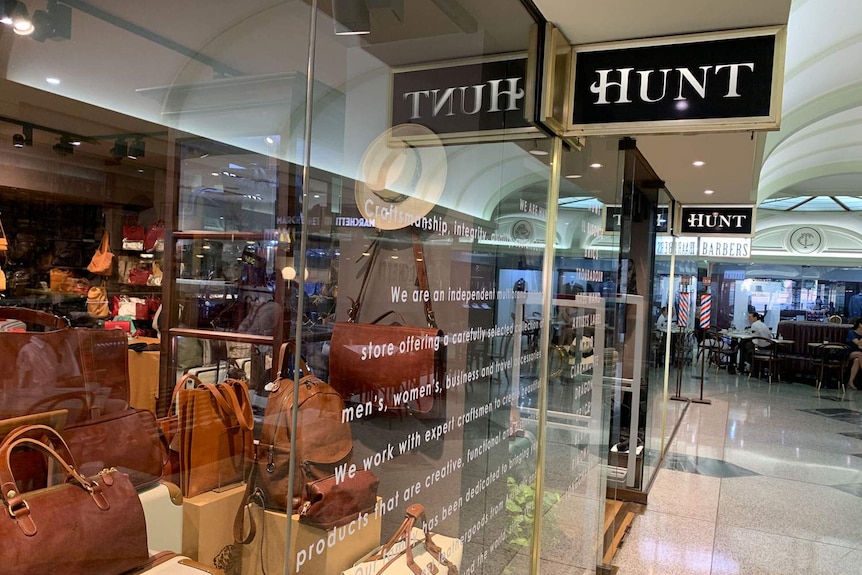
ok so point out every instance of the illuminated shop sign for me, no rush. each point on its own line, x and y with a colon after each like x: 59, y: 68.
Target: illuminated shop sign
x: 724, y: 248
x: 684, y: 246
x: 613, y: 214
x: 723, y: 220
x: 472, y: 99
x: 701, y: 82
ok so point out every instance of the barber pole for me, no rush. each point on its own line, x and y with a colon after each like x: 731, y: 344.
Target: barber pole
x: 705, y: 311
x: 682, y: 309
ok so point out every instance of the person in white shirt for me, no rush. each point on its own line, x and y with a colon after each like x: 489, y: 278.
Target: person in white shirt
x: 661, y: 322
x: 746, y: 349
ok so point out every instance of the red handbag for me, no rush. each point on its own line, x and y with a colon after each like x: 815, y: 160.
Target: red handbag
x: 134, y: 233
x: 154, y: 241
x: 139, y: 275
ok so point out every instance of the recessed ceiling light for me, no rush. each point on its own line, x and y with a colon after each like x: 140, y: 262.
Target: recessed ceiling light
x: 53, y: 81
x: 698, y: 163
x: 214, y: 173
x: 140, y: 171
x: 596, y: 165
x: 539, y: 152
x: 269, y: 140
x: 574, y: 176
x: 709, y: 192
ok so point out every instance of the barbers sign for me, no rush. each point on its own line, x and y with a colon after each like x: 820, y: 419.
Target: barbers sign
x: 728, y: 81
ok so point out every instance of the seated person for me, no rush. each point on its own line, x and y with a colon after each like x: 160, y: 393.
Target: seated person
x: 854, y: 340
x: 746, y: 348
x: 660, y: 332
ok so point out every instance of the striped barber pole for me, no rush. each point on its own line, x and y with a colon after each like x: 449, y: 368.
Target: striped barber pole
x: 705, y: 311
x: 682, y: 309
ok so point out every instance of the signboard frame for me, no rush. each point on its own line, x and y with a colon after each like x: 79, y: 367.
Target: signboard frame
x: 769, y: 121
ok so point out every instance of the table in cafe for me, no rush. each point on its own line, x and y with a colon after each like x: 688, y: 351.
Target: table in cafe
x: 747, y: 334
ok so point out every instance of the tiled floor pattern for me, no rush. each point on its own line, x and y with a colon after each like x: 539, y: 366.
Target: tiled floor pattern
x: 767, y: 480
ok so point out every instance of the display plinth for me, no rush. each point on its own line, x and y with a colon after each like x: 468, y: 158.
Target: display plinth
x: 340, y: 547
x: 208, y: 522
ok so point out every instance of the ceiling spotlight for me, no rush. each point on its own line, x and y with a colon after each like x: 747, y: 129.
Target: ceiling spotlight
x: 596, y: 165
x: 351, y: 17
x: 18, y: 140
x: 709, y: 192
x: 64, y: 147
x: 120, y: 149
x: 137, y: 148
x: 698, y: 163
x: 574, y: 176
x: 17, y: 15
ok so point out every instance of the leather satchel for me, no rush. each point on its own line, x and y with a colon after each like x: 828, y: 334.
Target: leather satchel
x: 129, y: 441
x: 102, y: 262
x: 216, y: 426
x: 410, y: 380
x: 330, y: 503
x: 412, y: 550
x: 83, y: 526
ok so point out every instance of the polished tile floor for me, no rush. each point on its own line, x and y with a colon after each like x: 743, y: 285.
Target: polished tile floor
x: 767, y: 480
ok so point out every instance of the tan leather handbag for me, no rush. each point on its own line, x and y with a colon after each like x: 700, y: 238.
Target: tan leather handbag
x: 97, y: 302
x: 216, y: 427
x: 102, y: 262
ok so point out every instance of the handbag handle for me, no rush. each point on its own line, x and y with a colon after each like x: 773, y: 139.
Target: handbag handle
x: 421, y: 277
x: 37, y: 430
x: 413, y: 514
x: 225, y: 396
x: 33, y: 316
x: 105, y: 244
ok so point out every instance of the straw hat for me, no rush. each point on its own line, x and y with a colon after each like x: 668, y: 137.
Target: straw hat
x: 401, y: 177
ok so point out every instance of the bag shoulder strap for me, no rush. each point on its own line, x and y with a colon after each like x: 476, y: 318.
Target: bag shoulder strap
x: 421, y: 277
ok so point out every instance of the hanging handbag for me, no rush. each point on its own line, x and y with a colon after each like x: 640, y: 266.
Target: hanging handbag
x: 216, y: 427
x: 97, y: 302
x: 409, y: 380
x: 133, y: 237
x: 102, y: 261
x: 128, y: 440
x: 83, y: 526
x: 57, y: 278
x: 412, y: 550
x: 2, y: 280
x: 139, y: 275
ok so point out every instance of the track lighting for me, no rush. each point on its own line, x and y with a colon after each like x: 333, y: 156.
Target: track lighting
x: 64, y: 147
x: 24, y: 139
x: 18, y: 140
x: 137, y: 148
x: 16, y: 14
x: 120, y: 149
x: 55, y: 24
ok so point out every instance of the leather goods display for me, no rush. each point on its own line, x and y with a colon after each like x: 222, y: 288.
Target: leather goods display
x: 407, y: 380
x: 102, y: 262
x: 215, y: 430
x: 330, y: 503
x: 83, y: 526
x: 2, y: 280
x: 97, y: 302
x: 129, y: 441
x: 134, y: 232
x: 323, y: 440
x: 79, y: 369
x: 412, y: 551
x: 139, y: 275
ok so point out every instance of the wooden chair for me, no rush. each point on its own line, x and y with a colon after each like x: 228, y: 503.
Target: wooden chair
x: 716, y: 351
x: 765, y: 353
x: 830, y: 357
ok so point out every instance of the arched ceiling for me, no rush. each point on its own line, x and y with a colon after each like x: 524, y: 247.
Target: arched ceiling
x: 818, y: 150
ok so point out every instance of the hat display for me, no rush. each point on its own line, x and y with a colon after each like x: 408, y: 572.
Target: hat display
x: 401, y: 177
